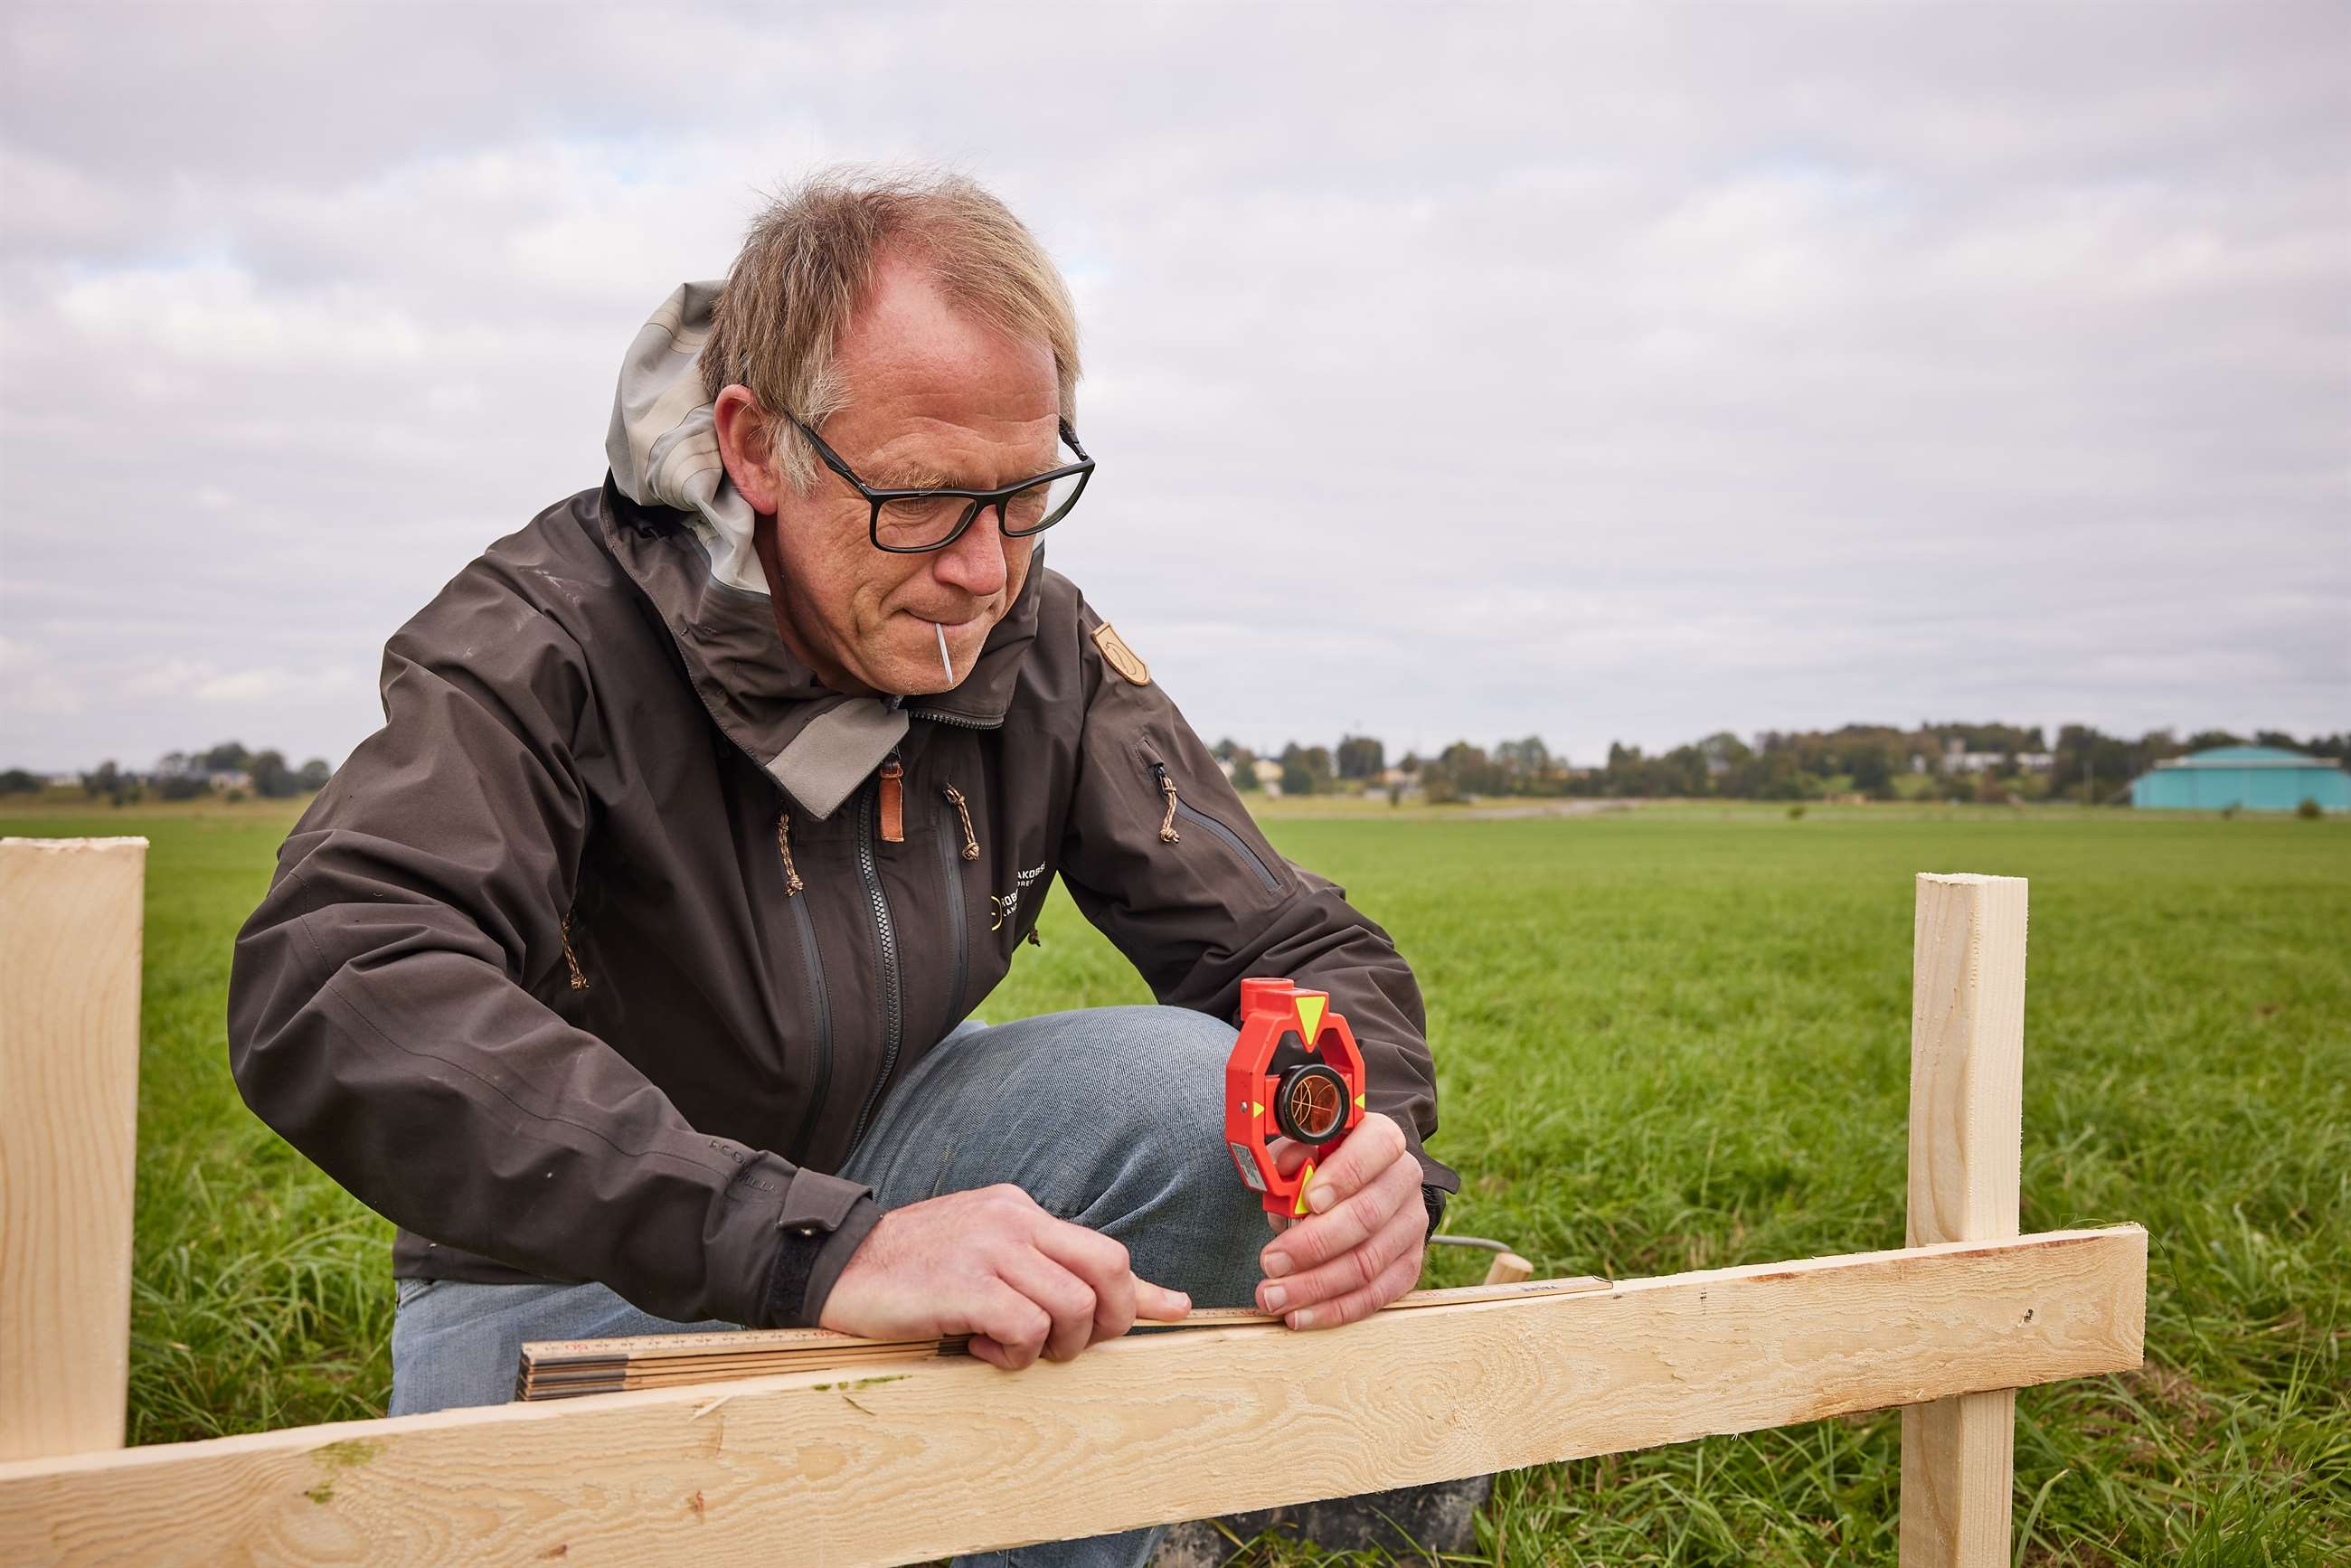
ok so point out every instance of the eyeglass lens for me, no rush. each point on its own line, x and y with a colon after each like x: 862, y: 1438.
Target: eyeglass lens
x: 925, y: 522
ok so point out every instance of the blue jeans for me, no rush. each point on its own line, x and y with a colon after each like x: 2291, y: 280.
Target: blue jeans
x: 1112, y: 1117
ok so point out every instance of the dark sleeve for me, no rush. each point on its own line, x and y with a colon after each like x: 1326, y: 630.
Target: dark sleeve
x: 382, y: 1016
x: 1199, y: 911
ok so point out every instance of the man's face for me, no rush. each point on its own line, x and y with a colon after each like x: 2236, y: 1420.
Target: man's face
x: 935, y: 399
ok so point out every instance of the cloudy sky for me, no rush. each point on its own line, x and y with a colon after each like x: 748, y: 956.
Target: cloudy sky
x: 1603, y: 373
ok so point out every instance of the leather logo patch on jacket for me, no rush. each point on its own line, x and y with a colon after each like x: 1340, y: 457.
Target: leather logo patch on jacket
x: 1119, y: 658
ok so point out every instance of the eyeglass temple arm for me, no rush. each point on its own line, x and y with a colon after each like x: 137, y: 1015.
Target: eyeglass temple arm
x: 831, y: 459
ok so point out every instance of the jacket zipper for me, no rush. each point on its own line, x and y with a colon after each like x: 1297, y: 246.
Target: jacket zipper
x: 821, y: 1001
x: 813, y: 960
x: 873, y: 887
x: 891, y: 1003
x: 1232, y: 839
x: 951, y: 877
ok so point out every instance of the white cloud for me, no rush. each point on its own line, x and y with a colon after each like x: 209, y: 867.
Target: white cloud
x: 212, y: 313
x: 1621, y: 373
x: 253, y: 686
x: 171, y: 678
x: 33, y: 685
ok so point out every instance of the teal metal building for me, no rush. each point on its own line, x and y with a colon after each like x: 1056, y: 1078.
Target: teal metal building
x: 2250, y: 778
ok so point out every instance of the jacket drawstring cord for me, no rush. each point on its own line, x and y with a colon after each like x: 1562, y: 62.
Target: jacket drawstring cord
x: 963, y: 814
x: 784, y: 845
x: 1167, y: 833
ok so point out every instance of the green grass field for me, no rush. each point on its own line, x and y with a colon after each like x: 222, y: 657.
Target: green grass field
x: 1668, y: 1038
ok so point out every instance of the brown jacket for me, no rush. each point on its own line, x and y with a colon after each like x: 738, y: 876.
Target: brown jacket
x: 593, y: 961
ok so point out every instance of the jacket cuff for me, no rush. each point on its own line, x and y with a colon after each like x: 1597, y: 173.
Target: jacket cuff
x: 824, y: 1220
x: 1433, y: 1197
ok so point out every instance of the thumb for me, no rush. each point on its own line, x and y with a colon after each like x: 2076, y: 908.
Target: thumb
x: 1158, y: 1303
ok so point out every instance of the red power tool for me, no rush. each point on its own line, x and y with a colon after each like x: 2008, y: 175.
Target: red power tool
x: 1295, y: 1071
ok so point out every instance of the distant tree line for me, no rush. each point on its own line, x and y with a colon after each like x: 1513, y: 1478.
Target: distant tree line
x: 228, y: 769
x: 1988, y: 762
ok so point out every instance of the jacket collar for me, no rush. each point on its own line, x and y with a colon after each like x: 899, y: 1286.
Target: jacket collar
x: 817, y: 744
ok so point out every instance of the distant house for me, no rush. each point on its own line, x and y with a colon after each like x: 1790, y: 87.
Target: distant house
x: 229, y: 779
x: 1956, y: 758
x: 2249, y: 777
x: 1268, y: 777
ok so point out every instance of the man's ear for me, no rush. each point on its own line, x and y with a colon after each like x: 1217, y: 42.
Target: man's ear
x: 744, y: 447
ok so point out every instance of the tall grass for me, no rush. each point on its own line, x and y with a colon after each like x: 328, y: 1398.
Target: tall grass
x: 1676, y: 1041
x: 1664, y: 1041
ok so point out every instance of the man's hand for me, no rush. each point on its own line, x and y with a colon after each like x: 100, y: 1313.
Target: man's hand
x: 993, y: 1264
x: 1361, y: 1247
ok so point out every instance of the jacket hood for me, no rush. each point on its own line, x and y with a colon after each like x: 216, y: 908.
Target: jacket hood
x: 664, y: 444
x: 683, y: 533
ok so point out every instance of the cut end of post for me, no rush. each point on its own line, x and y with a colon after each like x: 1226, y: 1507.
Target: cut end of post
x: 1509, y: 1268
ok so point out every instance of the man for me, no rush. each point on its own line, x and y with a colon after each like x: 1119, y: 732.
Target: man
x: 627, y: 966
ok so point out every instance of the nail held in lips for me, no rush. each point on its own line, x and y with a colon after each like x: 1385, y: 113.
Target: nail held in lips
x: 944, y: 663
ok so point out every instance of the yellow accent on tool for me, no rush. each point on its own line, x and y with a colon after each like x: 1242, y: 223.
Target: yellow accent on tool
x: 1359, y: 1101
x: 1304, y: 1178
x: 1310, y: 1013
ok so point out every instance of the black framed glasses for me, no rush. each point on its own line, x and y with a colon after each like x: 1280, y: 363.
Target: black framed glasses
x: 910, y: 522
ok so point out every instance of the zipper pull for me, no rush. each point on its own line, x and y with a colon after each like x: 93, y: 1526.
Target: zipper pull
x: 963, y: 815
x: 792, y: 884
x: 893, y: 801
x: 571, y: 960
x: 1167, y: 833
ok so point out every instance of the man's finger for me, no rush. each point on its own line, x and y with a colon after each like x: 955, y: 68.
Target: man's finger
x: 1139, y: 1298
x: 1101, y: 1263
x: 1067, y: 1299
x: 1289, y: 1154
x: 1374, y: 1144
x: 1393, y: 1281
x: 1158, y: 1305
x: 1008, y: 1329
x: 1319, y: 1238
x: 1349, y: 1271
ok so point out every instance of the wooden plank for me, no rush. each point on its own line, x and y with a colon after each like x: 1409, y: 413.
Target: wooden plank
x: 1966, y: 1126
x: 820, y: 1343
x: 565, y: 1368
x: 71, y: 912
x: 924, y: 1459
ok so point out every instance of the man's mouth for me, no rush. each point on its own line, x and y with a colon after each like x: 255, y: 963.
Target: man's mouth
x: 940, y: 629
x: 953, y: 626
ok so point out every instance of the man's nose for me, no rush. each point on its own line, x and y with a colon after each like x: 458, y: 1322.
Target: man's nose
x: 974, y: 562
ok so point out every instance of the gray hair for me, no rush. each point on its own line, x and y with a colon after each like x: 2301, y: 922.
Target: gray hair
x: 806, y: 265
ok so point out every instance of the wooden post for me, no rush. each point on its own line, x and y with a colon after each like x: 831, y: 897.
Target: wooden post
x: 1509, y: 1268
x: 1966, y: 1126
x: 69, y: 945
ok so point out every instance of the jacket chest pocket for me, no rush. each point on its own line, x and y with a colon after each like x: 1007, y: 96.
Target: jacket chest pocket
x: 808, y: 957
x: 958, y: 858
x: 1178, y: 817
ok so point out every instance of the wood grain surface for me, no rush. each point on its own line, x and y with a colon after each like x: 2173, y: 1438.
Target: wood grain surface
x: 70, y: 913
x: 566, y: 1368
x: 923, y: 1459
x: 1967, y: 1128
